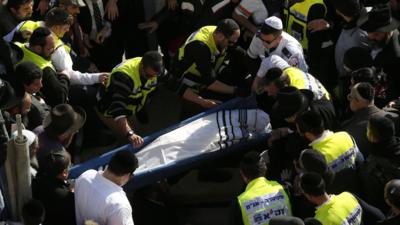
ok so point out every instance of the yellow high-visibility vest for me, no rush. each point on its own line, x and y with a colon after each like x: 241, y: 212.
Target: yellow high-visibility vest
x: 340, y: 209
x: 339, y: 149
x: 297, y: 20
x: 262, y: 200
x: 303, y: 80
x: 33, y: 57
x: 33, y: 25
x: 139, y: 93
x: 205, y: 35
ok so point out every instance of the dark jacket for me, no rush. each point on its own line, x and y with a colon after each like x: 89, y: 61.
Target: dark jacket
x: 388, y: 60
x: 356, y: 126
x: 381, y: 166
x: 57, y: 199
x: 395, y: 220
x: 7, y: 21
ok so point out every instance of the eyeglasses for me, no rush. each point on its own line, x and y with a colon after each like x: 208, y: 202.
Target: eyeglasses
x: 258, y: 35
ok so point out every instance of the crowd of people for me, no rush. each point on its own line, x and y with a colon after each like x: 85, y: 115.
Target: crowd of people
x: 326, y: 71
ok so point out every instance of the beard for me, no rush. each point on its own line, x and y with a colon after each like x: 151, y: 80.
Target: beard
x: 379, y: 43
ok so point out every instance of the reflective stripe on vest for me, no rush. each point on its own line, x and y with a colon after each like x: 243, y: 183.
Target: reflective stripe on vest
x: 139, y: 93
x: 339, y: 149
x: 33, y: 25
x: 342, y: 209
x: 297, y: 20
x: 33, y: 57
x: 303, y: 80
x: 205, y: 35
x: 263, y: 200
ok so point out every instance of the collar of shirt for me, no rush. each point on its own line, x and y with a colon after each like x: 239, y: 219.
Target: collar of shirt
x: 108, y: 182
x: 327, y: 201
x: 324, y: 135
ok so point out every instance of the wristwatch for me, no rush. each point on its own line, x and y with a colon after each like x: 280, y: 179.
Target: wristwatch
x: 130, y: 133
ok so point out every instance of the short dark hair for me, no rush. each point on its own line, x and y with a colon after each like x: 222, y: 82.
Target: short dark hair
x: 54, y: 163
x: 122, y: 163
x: 312, y: 221
x: 58, y: 17
x: 310, y: 121
x: 381, y: 127
x: 39, y: 36
x: 153, y: 60
x: 253, y: 165
x: 312, y: 184
x: 227, y: 27
x: 314, y: 161
x: 33, y: 212
x: 349, y: 8
x: 16, y: 4
x: 27, y: 72
x: 276, y: 76
x: 366, y: 91
x: 365, y: 74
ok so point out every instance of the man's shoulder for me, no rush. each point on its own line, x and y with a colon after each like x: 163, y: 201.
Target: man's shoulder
x: 87, y: 175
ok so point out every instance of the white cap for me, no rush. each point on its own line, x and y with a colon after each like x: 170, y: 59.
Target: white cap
x: 274, y: 22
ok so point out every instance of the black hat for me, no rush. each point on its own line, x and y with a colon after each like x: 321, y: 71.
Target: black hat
x: 381, y: 127
x: 380, y: 19
x: 291, y: 100
x: 285, y: 220
x: 356, y: 58
x: 63, y: 118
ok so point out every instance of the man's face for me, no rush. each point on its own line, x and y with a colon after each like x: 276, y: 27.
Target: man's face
x: 24, y: 11
x: 378, y: 39
x: 48, y: 49
x: 269, y: 40
x: 60, y: 30
x: 354, y: 101
x: 26, y: 104
x: 73, y: 10
x: 271, y: 89
x: 228, y: 41
x: 34, y: 87
x: 149, y: 73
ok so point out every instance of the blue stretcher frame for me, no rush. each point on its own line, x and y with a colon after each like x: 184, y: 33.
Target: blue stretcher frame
x: 147, y: 177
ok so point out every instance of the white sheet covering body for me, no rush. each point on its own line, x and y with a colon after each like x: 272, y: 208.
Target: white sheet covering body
x: 213, y: 132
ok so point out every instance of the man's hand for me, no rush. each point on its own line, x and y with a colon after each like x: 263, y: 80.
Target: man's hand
x: 151, y: 26
x: 256, y: 87
x: 278, y: 134
x: 101, y: 36
x: 172, y: 4
x: 136, y: 141
x: 103, y: 78
x: 26, y: 34
x: 42, y: 7
x: 86, y: 41
x: 318, y: 25
x: 210, y: 103
x: 112, y: 10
